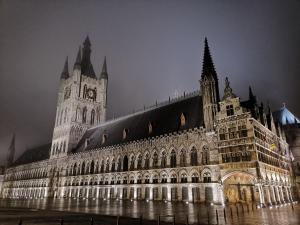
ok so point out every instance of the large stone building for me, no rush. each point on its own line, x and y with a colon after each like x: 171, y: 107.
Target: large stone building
x: 196, y: 148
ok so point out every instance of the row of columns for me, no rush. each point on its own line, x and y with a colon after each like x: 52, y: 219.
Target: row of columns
x: 156, y: 192
x: 26, y: 193
x: 273, y: 194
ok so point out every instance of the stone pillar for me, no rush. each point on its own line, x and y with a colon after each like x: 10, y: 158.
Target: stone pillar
x: 169, y: 193
x: 290, y: 194
x: 267, y: 191
x: 151, y: 193
x: 190, y: 194
x: 287, y: 194
x: 261, y: 196
x: 273, y: 198
x: 278, y: 195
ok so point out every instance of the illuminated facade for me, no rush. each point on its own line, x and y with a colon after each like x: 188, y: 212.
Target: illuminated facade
x: 195, y: 148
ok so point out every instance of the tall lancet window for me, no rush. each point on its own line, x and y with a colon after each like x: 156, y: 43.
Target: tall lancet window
x: 84, y: 111
x: 92, y: 117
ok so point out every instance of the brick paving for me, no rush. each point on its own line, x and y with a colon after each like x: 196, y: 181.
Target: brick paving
x: 79, y: 212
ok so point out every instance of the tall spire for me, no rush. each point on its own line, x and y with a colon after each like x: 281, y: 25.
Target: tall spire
x: 104, y: 74
x: 77, y: 64
x: 208, y: 68
x: 251, y: 95
x: 65, y: 72
x: 11, y: 151
x: 86, y: 65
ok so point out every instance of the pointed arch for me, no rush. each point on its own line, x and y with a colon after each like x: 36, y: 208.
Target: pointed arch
x: 92, y: 121
x: 84, y: 112
x: 125, y: 163
x: 173, y: 158
x: 194, y: 156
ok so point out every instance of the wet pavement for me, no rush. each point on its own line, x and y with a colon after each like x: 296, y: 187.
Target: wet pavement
x: 79, y: 212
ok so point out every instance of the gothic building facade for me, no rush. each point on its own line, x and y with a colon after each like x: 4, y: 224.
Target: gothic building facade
x: 195, y: 148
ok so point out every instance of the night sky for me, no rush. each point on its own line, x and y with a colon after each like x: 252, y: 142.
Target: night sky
x: 154, y: 50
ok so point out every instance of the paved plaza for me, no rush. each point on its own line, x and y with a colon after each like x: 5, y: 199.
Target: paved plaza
x: 80, y: 211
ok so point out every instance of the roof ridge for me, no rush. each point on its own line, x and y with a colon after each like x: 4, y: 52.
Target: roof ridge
x: 152, y: 107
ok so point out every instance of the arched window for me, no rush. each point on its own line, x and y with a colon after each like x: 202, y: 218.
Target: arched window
x: 125, y: 163
x: 139, y: 162
x: 77, y: 114
x: 98, y: 115
x: 119, y: 165
x: 65, y: 116
x: 92, y: 167
x: 205, y: 155
x: 61, y: 116
x: 206, y: 177
x: 194, y: 157
x: 102, y: 167
x: 155, y: 160
x: 84, y: 91
x: 84, y: 111
x: 107, y: 166
x: 64, y: 147
x: 113, y: 166
x: 173, y: 159
x: 83, y: 168
x: 125, y: 133
x: 182, y: 158
x: 92, y: 117
x: 146, y: 164
x: 150, y: 128
x: 163, y: 163
x: 132, y: 163
x: 74, y: 169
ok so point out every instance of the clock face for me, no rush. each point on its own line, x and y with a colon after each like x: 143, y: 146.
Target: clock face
x: 91, y: 93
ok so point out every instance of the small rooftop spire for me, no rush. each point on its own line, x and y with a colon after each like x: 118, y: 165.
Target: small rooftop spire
x: 228, y: 93
x: 87, y: 41
x: 77, y: 64
x: 65, y: 72
x: 104, y: 74
x: 208, y: 68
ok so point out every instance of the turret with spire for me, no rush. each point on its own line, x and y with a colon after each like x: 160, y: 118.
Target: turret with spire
x: 103, y: 74
x: 209, y: 89
x: 86, y: 65
x: 65, y: 72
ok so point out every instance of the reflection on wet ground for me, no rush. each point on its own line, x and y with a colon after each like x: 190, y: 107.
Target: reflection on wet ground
x: 193, y: 213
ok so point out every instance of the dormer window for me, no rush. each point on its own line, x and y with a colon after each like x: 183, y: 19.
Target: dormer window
x: 104, y: 138
x: 125, y: 133
x: 87, y: 142
x: 229, y: 110
x: 150, y: 128
x: 182, y: 120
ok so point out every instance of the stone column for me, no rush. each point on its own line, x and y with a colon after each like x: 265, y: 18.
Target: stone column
x: 287, y: 194
x: 261, y: 196
x: 269, y: 202
x: 273, y: 198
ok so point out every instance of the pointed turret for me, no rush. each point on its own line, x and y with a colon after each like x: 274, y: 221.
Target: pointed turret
x: 209, y: 89
x: 87, y: 41
x: 11, y: 151
x: 208, y: 68
x: 77, y: 64
x: 65, y: 72
x: 86, y: 65
x: 252, y: 97
x: 104, y: 74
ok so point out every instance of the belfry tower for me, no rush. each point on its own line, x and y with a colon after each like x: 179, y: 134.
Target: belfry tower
x: 82, y: 101
x: 209, y: 87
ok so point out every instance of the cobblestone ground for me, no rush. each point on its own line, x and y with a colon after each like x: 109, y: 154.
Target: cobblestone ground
x: 79, y: 212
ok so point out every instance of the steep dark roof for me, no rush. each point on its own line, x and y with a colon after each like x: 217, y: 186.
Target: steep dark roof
x: 164, y: 119
x: 34, y: 155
